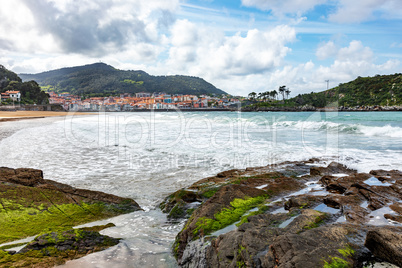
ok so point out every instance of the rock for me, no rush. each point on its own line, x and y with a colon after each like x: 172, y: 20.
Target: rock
x: 396, y: 218
x: 23, y: 176
x: 344, y: 184
x: 215, y: 204
x: 75, y: 239
x: 34, y: 178
x: 397, y: 207
x: 228, y: 173
x: 27, y: 197
x: 125, y: 203
x: 54, y: 249
x: 385, y: 175
x: 386, y: 244
x: 178, y: 203
x: 302, y: 201
x: 314, y: 247
x: 301, y: 237
x: 332, y: 168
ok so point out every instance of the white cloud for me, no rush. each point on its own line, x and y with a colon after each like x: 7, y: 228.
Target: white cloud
x: 326, y: 50
x: 355, y: 11
x: 362, y: 10
x: 355, y: 52
x: 92, y: 28
x: 208, y: 52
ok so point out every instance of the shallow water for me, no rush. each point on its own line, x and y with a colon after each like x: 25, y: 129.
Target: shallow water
x: 147, y: 156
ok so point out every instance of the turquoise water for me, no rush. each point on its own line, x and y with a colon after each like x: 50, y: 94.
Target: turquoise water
x: 147, y: 156
x: 176, y: 149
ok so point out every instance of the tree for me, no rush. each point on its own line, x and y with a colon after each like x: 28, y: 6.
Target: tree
x: 287, y: 92
x: 266, y: 95
x: 274, y: 94
x: 252, y: 95
x: 282, y: 90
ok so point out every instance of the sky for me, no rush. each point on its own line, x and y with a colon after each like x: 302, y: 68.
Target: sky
x: 240, y: 46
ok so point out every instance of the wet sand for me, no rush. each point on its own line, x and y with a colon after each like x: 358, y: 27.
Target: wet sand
x: 20, y: 115
x: 20, y: 118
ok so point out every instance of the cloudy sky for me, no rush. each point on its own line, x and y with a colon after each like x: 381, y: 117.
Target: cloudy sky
x: 238, y: 45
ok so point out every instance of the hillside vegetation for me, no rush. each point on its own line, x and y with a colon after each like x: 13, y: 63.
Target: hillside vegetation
x: 380, y: 90
x: 100, y: 79
x: 30, y: 91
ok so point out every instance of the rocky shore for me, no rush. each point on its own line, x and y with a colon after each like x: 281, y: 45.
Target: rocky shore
x: 296, y: 214
x: 325, y: 109
x: 31, y: 205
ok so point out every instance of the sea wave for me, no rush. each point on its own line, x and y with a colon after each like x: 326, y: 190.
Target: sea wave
x: 371, y: 131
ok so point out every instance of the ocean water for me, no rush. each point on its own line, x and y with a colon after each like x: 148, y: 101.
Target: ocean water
x: 146, y: 156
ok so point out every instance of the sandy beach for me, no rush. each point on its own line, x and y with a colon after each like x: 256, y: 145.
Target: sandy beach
x: 19, y: 115
x: 13, y: 121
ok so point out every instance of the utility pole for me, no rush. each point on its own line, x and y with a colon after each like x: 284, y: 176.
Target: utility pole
x: 327, y: 83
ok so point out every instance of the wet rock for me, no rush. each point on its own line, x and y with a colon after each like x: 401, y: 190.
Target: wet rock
x: 179, y: 204
x: 283, y: 185
x: 308, y: 219
x: 78, y: 240
x: 340, y: 185
x: 53, y: 249
x: 386, y: 244
x: 385, y: 175
x: 332, y: 168
x: 247, y: 244
x: 302, y: 201
x: 302, y: 237
x: 195, y: 255
x: 397, y: 207
x: 121, y: 202
x: 315, y: 246
x: 391, y: 217
x: 34, y: 178
x: 228, y: 173
x: 32, y: 205
x: 23, y: 176
x: 215, y: 204
x: 355, y: 214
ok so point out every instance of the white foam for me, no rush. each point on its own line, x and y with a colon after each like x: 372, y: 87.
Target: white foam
x: 261, y: 186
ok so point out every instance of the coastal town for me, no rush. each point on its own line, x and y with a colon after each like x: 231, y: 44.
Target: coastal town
x: 141, y: 101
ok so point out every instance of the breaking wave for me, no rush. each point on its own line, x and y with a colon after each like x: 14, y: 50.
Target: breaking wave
x: 371, y: 131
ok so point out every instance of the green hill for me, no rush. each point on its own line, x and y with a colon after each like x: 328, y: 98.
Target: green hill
x: 100, y: 79
x: 30, y: 90
x: 382, y: 90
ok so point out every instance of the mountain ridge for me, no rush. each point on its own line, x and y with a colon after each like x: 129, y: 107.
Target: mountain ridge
x: 102, y: 79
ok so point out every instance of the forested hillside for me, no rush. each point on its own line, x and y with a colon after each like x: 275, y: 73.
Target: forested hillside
x: 30, y: 91
x: 382, y: 90
x: 100, y: 79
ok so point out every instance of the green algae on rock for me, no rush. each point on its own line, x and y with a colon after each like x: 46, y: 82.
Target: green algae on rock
x: 56, y: 248
x: 311, y: 215
x: 30, y: 205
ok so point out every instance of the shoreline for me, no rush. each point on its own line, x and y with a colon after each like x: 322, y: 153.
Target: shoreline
x: 33, y: 114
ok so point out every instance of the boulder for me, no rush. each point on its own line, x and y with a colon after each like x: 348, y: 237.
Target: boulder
x: 78, y: 240
x: 23, y: 176
x: 386, y: 243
